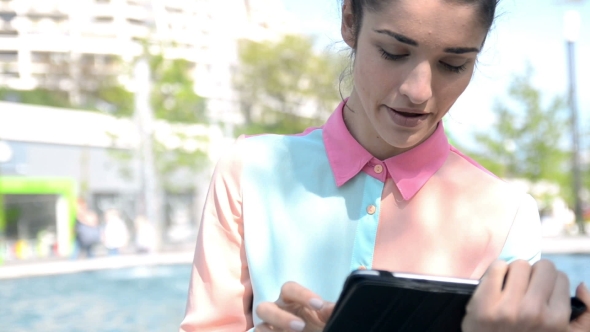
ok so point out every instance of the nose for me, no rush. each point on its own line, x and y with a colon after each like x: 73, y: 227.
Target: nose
x: 418, y: 84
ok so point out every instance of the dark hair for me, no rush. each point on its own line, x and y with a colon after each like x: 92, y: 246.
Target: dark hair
x: 487, y: 10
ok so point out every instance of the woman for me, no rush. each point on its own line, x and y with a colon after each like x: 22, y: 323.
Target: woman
x: 378, y: 186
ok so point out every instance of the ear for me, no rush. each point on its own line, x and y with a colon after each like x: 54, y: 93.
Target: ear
x: 347, y: 28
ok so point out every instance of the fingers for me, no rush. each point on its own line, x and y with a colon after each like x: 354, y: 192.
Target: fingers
x: 583, y: 294
x: 294, y: 294
x: 481, y: 311
x: 543, y: 275
x: 296, y: 309
x: 276, y: 317
x: 517, y: 281
x: 264, y: 328
x: 326, y: 311
x: 582, y: 323
x: 492, y: 282
x: 560, y: 297
x: 520, y: 297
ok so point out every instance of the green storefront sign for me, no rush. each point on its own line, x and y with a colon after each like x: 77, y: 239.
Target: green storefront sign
x: 66, y: 188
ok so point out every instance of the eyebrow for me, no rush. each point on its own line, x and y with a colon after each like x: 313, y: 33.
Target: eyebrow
x: 412, y: 42
x: 400, y: 38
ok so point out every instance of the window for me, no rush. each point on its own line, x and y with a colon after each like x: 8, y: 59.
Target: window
x: 8, y: 56
x: 103, y: 19
x: 135, y: 21
x: 7, y: 16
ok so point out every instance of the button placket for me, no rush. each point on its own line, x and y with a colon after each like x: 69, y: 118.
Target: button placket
x: 364, y: 245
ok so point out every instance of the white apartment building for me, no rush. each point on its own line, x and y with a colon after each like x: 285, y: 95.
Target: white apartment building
x: 53, y: 43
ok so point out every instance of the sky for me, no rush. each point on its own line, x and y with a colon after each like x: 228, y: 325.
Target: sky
x: 527, y: 31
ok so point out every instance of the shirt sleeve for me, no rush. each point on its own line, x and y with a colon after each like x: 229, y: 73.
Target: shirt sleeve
x: 220, y: 292
x: 524, y: 239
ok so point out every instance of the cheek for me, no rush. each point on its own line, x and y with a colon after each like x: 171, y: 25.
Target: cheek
x: 373, y: 77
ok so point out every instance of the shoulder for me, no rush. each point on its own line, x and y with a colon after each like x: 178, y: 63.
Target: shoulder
x: 266, y: 152
x: 272, y: 142
x: 271, y: 149
x: 524, y: 239
x: 486, y: 192
x: 466, y: 172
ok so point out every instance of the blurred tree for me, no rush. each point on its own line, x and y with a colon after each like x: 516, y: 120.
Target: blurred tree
x: 113, y: 98
x: 173, y: 95
x: 284, y: 86
x: 178, y: 154
x: 527, y: 139
x: 38, y: 96
x: 173, y: 99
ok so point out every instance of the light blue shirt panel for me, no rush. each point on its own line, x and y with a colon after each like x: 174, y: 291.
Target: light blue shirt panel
x: 524, y: 239
x: 298, y: 225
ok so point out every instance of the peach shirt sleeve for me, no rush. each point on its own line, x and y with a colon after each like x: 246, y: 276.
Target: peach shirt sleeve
x: 220, y: 292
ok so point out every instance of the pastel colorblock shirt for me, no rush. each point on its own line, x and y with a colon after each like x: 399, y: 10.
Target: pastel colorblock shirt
x: 313, y: 207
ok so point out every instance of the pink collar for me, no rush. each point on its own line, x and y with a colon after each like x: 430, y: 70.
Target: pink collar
x: 409, y: 170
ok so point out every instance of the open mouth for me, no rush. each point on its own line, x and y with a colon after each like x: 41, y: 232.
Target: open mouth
x: 409, y: 115
x: 407, y: 119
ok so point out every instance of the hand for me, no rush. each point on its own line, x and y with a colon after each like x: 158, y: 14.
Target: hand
x: 520, y: 297
x: 582, y: 323
x: 297, y: 309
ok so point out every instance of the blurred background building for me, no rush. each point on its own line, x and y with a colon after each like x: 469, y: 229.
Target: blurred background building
x: 76, y: 47
x: 69, y: 44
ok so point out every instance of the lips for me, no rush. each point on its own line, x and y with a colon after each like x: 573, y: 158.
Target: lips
x: 407, y: 117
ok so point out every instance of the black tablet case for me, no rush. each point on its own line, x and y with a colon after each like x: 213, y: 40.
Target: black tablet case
x: 410, y: 304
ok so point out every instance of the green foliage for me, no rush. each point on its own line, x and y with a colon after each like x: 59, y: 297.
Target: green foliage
x: 119, y: 99
x: 173, y: 99
x: 526, y: 141
x: 275, y: 80
x: 173, y: 95
x: 36, y: 97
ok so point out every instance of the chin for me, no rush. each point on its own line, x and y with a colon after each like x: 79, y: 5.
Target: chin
x: 402, y: 144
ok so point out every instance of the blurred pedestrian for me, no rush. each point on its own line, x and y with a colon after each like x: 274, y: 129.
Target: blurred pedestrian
x: 115, y: 233
x: 145, y: 235
x: 87, y: 233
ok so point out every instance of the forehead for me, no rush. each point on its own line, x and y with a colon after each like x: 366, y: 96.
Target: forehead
x: 436, y: 23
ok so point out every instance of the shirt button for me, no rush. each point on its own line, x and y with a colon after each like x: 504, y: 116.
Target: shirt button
x: 378, y: 169
x: 362, y: 267
x: 371, y: 209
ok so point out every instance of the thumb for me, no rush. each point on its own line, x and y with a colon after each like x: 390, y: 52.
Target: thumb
x: 582, y: 323
x: 326, y: 312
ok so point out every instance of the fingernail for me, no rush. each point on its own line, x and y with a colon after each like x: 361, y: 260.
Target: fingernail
x: 585, y: 288
x: 297, y: 325
x: 317, y: 304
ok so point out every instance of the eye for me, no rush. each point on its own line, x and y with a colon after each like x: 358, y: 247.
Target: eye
x: 388, y: 56
x: 453, y: 69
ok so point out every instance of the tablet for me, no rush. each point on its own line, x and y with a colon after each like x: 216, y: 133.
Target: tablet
x: 378, y: 301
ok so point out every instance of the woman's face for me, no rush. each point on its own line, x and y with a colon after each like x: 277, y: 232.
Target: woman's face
x: 413, y: 60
